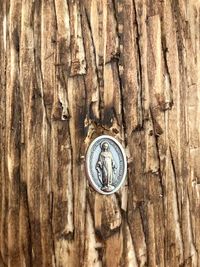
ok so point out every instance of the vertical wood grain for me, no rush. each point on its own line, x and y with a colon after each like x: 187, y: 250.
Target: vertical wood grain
x: 72, y: 70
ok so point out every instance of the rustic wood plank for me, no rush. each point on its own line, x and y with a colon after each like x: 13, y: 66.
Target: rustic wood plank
x: 71, y: 71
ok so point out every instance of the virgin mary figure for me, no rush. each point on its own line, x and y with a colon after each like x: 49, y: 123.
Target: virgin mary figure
x: 106, y: 168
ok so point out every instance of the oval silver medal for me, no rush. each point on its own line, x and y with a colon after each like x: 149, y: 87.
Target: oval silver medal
x: 106, y: 164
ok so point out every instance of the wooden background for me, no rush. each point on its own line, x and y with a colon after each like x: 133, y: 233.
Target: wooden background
x: 71, y: 70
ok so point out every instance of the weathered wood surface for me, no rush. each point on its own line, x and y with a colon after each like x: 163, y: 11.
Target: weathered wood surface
x: 70, y: 71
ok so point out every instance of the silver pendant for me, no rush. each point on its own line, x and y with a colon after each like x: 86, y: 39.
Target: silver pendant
x: 106, y: 164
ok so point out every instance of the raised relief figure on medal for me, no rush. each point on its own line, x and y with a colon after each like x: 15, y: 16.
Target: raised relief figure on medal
x: 106, y: 168
x: 106, y: 164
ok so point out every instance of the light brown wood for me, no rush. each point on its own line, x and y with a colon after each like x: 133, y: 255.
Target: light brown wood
x: 72, y: 70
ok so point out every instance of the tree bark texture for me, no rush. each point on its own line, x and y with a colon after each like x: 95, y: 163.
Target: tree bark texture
x: 72, y: 70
